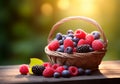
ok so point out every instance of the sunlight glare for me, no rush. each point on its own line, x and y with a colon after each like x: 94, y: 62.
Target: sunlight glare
x: 88, y: 7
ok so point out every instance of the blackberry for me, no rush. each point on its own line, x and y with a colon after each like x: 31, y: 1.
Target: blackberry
x: 83, y: 48
x: 38, y: 69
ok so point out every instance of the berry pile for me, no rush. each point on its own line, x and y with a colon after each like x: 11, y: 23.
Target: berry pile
x: 55, y: 70
x: 78, y: 41
x: 39, y: 68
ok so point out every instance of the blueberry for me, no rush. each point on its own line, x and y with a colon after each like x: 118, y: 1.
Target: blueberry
x: 96, y: 34
x: 75, y: 39
x: 60, y: 42
x: 88, y: 72
x: 69, y: 50
x: 70, y: 32
x: 66, y: 73
x: 75, y: 44
x: 64, y: 37
x: 56, y: 75
x: 60, y: 50
x: 59, y: 36
x: 91, y: 49
x: 80, y: 71
x: 70, y: 35
x: 62, y: 47
x: 66, y: 67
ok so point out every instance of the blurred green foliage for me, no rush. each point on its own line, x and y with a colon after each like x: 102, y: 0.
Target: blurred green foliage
x: 25, y: 24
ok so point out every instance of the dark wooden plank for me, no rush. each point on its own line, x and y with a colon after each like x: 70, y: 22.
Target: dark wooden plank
x: 109, y: 72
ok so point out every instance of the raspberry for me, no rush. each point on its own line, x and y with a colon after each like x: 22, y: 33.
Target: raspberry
x: 83, y: 48
x: 81, y: 42
x: 89, y: 39
x: 48, y: 72
x: 79, y: 33
x: 38, y: 70
x: 73, y: 70
x: 47, y: 64
x: 55, y: 66
x: 74, y: 49
x: 23, y: 69
x: 60, y: 69
x: 68, y: 43
x: 97, y: 45
x: 54, y: 45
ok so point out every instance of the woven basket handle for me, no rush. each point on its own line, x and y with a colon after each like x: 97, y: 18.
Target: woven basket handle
x: 56, y: 26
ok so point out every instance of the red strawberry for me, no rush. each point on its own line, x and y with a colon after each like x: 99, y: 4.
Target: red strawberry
x: 23, y: 69
x: 97, y: 45
x: 68, y: 43
x: 73, y: 70
x: 79, y: 33
x: 54, y: 45
x: 48, y: 72
x: 81, y: 42
x: 89, y: 39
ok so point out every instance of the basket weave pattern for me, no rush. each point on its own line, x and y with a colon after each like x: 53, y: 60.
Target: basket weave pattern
x: 89, y: 60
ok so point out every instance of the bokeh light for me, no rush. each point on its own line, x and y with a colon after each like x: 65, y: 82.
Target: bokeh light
x: 63, y: 4
x: 46, y: 9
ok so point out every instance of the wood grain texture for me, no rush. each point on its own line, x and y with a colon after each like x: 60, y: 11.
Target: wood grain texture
x: 109, y: 72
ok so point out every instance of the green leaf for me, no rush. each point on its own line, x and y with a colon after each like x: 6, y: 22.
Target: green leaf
x: 34, y: 61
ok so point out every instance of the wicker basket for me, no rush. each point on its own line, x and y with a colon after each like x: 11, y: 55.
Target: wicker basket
x: 89, y: 60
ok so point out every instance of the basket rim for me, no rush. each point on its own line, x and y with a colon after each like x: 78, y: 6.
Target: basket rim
x: 75, y: 54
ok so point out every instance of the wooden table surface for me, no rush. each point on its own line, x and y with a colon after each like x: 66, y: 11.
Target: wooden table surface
x: 109, y: 72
